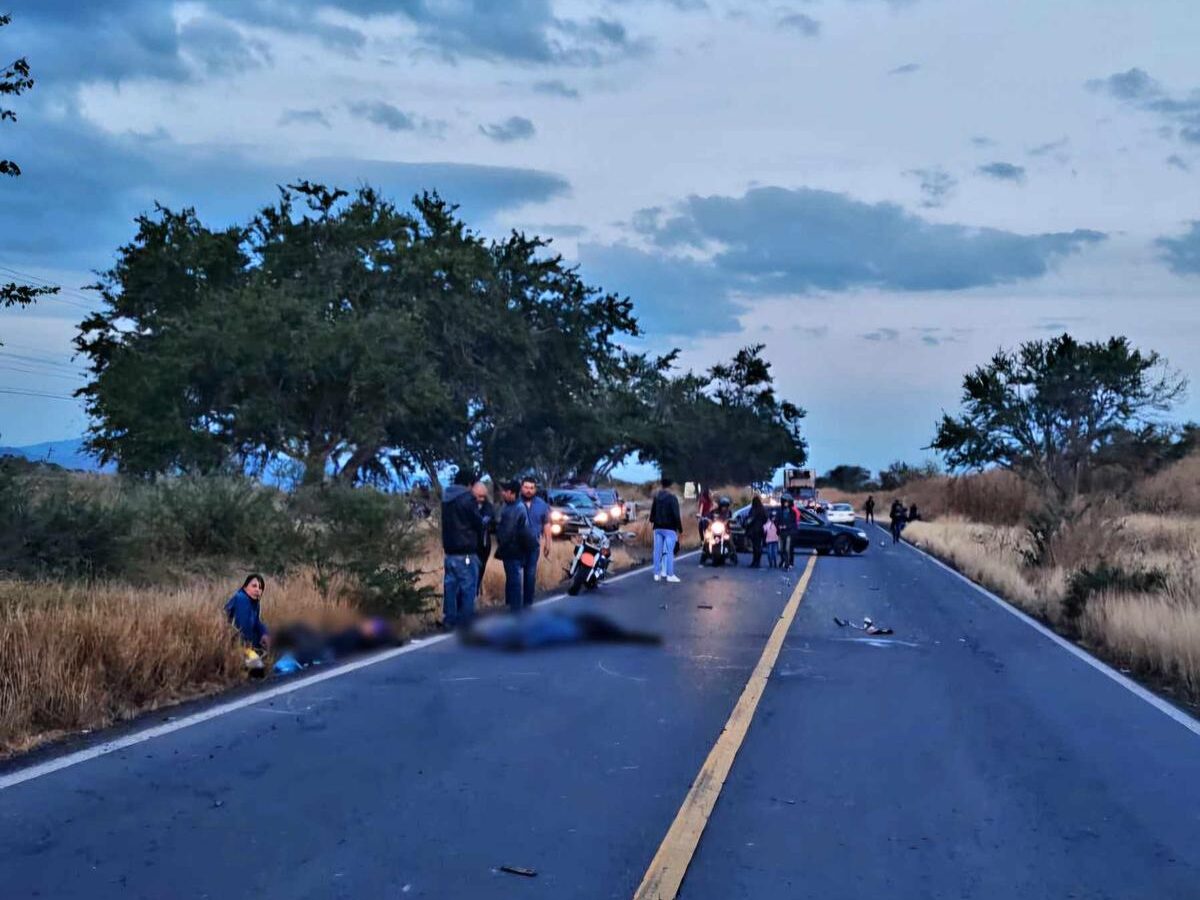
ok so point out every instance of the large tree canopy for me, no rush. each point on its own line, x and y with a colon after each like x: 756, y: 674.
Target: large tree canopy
x: 15, y: 79
x: 1051, y: 409
x: 367, y: 341
x: 727, y: 427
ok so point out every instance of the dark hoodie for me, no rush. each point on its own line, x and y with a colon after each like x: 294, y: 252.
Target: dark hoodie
x: 243, y: 613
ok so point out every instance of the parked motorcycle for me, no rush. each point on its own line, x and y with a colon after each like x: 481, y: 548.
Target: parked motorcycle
x: 589, y: 565
x: 718, y: 547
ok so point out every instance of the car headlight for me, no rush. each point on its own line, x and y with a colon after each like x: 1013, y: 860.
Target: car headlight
x: 557, y: 516
x: 616, y: 510
x: 861, y: 534
x: 556, y: 529
x: 602, y: 517
x: 718, y: 528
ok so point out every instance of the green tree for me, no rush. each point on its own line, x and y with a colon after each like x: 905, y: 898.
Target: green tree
x: 15, y: 79
x: 727, y: 426
x: 846, y: 478
x: 900, y: 473
x: 1049, y: 410
x: 361, y: 340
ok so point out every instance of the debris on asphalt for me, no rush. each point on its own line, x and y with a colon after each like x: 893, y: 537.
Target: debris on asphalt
x: 519, y: 870
x: 868, y: 626
x: 662, y: 606
x: 703, y: 606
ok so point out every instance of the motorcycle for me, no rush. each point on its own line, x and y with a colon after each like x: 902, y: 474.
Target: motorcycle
x: 718, y: 546
x: 589, y: 565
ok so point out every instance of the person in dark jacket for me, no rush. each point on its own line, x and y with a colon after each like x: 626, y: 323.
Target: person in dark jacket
x: 668, y: 528
x: 756, y: 521
x: 869, y: 509
x: 242, y: 610
x: 787, y: 521
x: 899, y: 517
x: 462, y: 536
x: 537, y: 511
x: 514, y: 544
x: 487, y: 512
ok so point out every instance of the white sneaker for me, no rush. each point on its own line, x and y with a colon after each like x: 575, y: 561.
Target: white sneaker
x: 657, y: 577
x: 674, y: 579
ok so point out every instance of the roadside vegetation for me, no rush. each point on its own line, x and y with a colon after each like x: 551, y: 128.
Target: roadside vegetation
x: 1078, y: 502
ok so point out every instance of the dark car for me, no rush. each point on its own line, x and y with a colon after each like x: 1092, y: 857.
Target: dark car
x: 814, y: 533
x: 611, y: 502
x: 572, y: 511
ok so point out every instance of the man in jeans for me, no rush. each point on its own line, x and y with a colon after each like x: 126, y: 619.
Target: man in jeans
x: 462, y: 535
x: 513, y: 543
x: 537, y: 512
x: 668, y: 528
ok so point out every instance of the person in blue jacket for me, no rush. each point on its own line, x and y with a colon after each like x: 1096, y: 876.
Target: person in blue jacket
x: 242, y: 611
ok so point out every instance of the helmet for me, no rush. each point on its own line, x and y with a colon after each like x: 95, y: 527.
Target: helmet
x: 786, y: 500
x: 724, y: 502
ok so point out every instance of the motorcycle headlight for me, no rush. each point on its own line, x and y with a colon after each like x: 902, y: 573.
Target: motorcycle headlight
x: 601, y: 516
x: 616, y: 511
x: 718, y: 528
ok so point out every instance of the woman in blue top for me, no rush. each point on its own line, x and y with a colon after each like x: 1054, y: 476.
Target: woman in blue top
x: 242, y: 611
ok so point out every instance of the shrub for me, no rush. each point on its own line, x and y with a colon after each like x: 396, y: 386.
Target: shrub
x: 1105, y: 578
x: 221, y: 517
x: 367, y: 535
x: 52, y: 524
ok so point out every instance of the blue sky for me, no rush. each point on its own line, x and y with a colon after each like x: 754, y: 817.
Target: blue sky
x: 882, y: 192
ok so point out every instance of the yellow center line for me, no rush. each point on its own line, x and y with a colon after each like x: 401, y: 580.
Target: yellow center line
x: 670, y: 863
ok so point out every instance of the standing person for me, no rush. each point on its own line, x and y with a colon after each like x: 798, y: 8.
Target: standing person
x: 704, y: 510
x: 242, y: 611
x: 668, y: 528
x: 487, y: 512
x: 513, y: 544
x: 869, y: 509
x: 899, y: 517
x: 787, y: 520
x: 755, y: 523
x: 771, y: 541
x: 537, y: 514
x: 462, y: 536
x: 913, y: 513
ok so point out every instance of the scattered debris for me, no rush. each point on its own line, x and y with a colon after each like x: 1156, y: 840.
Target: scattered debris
x: 703, y: 606
x: 662, y: 606
x: 868, y: 626
x: 519, y: 870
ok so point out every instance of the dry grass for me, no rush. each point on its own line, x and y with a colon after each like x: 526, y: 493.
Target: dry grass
x: 78, y: 657
x: 995, y: 497
x: 1156, y: 635
x: 1176, y: 489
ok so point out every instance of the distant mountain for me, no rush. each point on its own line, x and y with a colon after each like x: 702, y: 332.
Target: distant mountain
x: 69, y: 454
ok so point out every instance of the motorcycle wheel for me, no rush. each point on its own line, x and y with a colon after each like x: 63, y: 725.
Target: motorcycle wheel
x: 581, y: 575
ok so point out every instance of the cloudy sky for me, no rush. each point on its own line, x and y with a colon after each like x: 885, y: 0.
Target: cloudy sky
x: 882, y: 191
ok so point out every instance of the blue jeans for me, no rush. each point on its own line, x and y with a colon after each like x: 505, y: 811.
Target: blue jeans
x: 773, y: 554
x: 459, y: 586
x: 520, y: 580
x: 664, y: 551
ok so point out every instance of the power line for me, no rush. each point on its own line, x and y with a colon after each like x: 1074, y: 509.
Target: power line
x: 27, y: 360
x: 36, y: 282
x: 21, y: 393
x: 38, y: 374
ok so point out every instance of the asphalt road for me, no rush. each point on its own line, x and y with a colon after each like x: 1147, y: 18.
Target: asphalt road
x: 968, y: 756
